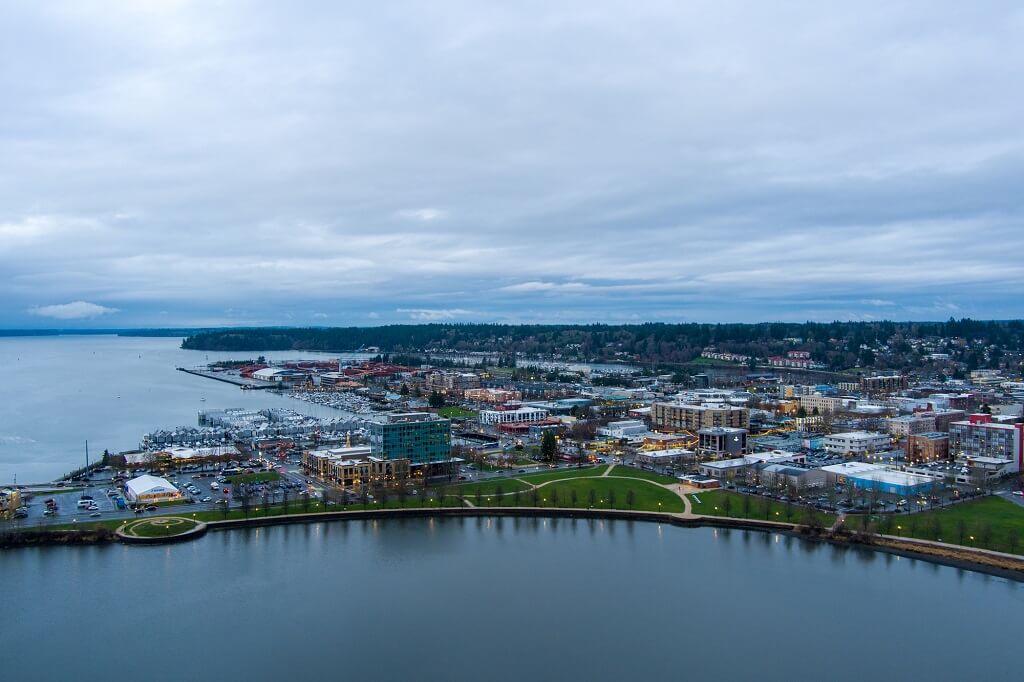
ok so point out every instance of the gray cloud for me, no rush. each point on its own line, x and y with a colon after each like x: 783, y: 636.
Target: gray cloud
x: 240, y: 163
x: 76, y: 310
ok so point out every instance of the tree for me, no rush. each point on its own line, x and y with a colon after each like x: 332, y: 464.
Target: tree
x: 630, y: 498
x: 534, y: 493
x: 499, y: 493
x: 747, y: 502
x: 727, y: 504
x: 985, y: 533
x: 592, y: 497
x: 305, y: 502
x: 436, y: 400
x: 572, y: 497
x: 364, y: 495
x: 284, y: 501
x: 516, y: 498
x: 478, y: 496
x: 1013, y: 540
x: 404, y: 390
x: 611, y: 499
x: 266, y: 504
x: 549, y: 446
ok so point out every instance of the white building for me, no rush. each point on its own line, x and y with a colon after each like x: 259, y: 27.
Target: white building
x: 516, y: 416
x: 666, y: 457
x: 632, y: 430
x: 149, y: 489
x: 855, y: 443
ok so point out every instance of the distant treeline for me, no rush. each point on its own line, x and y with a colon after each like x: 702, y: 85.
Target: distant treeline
x: 105, y: 332
x: 838, y: 344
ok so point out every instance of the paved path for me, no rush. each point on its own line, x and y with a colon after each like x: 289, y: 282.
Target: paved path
x: 608, y: 470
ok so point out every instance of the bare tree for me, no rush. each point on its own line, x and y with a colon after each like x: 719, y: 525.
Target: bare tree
x: 1013, y: 540
x: 630, y: 498
x: 727, y: 504
x: 592, y: 496
x: 516, y: 497
x: 499, y: 493
x: 572, y: 496
x: 611, y: 499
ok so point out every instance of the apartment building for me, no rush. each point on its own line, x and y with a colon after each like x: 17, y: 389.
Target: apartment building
x: 687, y: 417
x: 855, y: 443
x: 927, y: 447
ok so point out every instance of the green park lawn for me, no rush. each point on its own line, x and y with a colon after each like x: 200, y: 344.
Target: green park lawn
x: 992, y: 521
x: 455, y: 412
x: 554, y: 475
x: 490, y: 487
x: 600, y: 493
x: 632, y: 472
x: 727, y: 503
x: 254, y: 478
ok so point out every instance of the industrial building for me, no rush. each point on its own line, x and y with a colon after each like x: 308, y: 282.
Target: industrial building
x: 876, y: 477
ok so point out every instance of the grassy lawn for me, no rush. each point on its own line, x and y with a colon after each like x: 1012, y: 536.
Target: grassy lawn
x: 608, y: 493
x: 254, y: 478
x: 990, y: 520
x: 556, y: 474
x: 148, y: 529
x: 632, y: 472
x: 727, y: 503
x: 55, y: 491
x: 490, y: 487
x: 454, y: 412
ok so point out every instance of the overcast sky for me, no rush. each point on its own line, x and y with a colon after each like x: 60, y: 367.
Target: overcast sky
x: 226, y: 163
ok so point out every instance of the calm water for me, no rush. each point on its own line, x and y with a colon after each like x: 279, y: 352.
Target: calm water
x: 500, y: 599
x: 57, y: 392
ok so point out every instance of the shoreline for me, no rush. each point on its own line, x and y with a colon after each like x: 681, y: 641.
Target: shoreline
x: 956, y: 556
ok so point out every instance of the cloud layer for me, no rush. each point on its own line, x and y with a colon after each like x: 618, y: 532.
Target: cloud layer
x: 193, y: 163
x: 76, y: 310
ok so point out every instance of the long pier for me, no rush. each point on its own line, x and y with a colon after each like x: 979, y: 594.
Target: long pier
x: 217, y: 376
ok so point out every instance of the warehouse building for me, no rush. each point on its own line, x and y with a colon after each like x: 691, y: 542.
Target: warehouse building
x: 876, y: 477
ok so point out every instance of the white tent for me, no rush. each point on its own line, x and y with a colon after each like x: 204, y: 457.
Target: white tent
x: 150, y: 488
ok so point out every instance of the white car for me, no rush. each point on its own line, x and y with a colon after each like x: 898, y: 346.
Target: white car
x: 207, y: 498
x: 1019, y: 492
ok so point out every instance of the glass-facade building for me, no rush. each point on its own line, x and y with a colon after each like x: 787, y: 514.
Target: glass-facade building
x: 420, y: 437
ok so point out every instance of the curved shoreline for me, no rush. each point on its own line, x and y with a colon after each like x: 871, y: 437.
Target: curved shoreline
x: 979, y: 560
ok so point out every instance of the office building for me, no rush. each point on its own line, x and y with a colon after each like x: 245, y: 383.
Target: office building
x: 420, y: 437
x: 980, y: 439
x: 855, y: 443
x: 721, y: 441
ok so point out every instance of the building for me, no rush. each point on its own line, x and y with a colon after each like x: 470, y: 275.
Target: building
x: 688, y: 417
x: 820, y: 404
x: 855, y: 443
x: 367, y: 471
x: 151, y: 489
x: 728, y: 469
x: 876, y: 477
x: 791, y: 477
x: 630, y: 430
x: 420, y: 437
x: 10, y: 500
x: 669, y: 457
x: 901, y: 427
x: 883, y: 384
x: 452, y: 383
x: 943, y: 418
x: 317, y: 462
x: 281, y: 375
x: 721, y: 441
x: 495, y: 396
x: 981, y: 438
x: 927, y: 447
x: 518, y: 414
